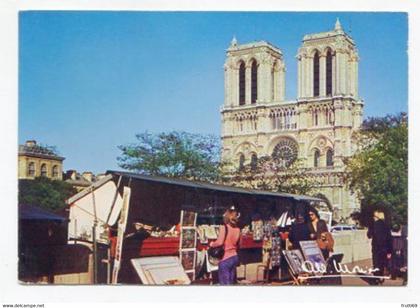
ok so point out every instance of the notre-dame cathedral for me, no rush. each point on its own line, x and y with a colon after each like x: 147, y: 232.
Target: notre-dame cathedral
x: 317, y: 128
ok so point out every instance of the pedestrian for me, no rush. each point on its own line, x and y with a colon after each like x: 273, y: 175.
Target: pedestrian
x: 397, y: 257
x: 230, y: 242
x: 319, y: 231
x: 299, y: 231
x: 380, y: 234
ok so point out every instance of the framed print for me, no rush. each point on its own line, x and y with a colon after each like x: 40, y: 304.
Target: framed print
x: 314, y: 256
x: 295, y: 260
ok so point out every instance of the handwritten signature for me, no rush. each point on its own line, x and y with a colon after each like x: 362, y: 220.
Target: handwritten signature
x: 318, y: 269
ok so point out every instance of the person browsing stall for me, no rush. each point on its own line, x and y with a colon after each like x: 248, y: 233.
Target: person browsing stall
x: 299, y: 231
x: 230, y: 259
x: 319, y: 231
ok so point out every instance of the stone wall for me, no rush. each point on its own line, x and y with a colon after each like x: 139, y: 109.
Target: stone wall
x: 354, y: 244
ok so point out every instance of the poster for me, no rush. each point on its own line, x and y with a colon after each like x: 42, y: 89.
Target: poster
x: 187, y: 249
x: 295, y: 260
x: 314, y: 256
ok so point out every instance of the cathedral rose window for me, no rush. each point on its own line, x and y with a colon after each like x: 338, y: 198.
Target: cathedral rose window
x: 285, y: 152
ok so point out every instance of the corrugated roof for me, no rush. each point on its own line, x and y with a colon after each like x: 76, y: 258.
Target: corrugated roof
x: 209, y: 186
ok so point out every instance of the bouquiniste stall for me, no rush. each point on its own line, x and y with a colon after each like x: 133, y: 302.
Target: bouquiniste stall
x: 136, y: 216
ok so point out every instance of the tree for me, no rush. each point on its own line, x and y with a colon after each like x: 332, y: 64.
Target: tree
x: 269, y: 174
x: 45, y: 193
x: 173, y: 154
x: 378, y: 172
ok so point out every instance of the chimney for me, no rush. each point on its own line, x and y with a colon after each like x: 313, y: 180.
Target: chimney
x: 30, y: 143
x: 88, y: 176
x: 71, y: 174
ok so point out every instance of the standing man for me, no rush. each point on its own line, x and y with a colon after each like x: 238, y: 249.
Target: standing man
x: 299, y: 231
x: 381, y: 237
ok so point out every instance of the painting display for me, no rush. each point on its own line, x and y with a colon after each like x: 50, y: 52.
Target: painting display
x: 313, y: 254
x: 295, y: 260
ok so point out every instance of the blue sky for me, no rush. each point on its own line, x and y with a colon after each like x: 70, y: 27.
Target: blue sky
x: 89, y: 81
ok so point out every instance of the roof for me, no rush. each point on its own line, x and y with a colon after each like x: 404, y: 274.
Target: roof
x: 254, y: 45
x: 187, y: 183
x: 38, y: 151
x: 79, y: 182
x: 210, y: 186
x: 30, y: 212
x: 85, y: 191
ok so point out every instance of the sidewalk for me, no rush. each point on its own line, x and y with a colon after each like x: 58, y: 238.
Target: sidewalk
x: 355, y: 281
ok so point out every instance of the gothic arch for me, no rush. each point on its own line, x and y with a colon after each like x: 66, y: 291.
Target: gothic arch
x: 329, y: 60
x: 251, y: 60
x: 241, y: 82
x: 254, y: 80
x: 239, y: 62
x: 329, y: 157
x: 313, y: 50
x: 253, y: 160
x: 246, y: 148
x: 275, y: 140
x: 326, y: 200
x: 240, y: 160
x: 316, y: 68
x: 321, y: 142
x: 316, y: 158
x: 326, y: 49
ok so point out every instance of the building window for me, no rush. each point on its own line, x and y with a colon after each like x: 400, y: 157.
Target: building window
x: 316, y: 74
x: 273, y: 82
x: 316, y: 158
x: 329, y: 73
x: 55, y: 171
x: 315, y: 117
x: 43, y: 170
x: 254, y: 162
x: 285, y: 153
x: 254, y: 81
x: 330, y: 155
x: 242, y: 84
x: 241, y: 162
x: 31, y: 169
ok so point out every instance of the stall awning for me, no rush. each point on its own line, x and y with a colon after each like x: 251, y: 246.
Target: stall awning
x: 209, y: 186
x: 30, y: 212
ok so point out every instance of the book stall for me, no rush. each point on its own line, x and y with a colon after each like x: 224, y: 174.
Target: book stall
x: 151, y: 224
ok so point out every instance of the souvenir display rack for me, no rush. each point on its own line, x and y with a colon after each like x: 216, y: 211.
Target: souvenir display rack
x: 188, y: 242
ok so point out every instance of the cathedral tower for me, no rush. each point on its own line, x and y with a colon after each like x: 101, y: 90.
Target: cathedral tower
x: 316, y: 128
x: 328, y: 65
x: 254, y: 73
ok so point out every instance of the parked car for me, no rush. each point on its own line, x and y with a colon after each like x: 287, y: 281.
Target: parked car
x: 338, y: 228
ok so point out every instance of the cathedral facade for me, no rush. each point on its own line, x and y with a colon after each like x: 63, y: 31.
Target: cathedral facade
x: 316, y: 128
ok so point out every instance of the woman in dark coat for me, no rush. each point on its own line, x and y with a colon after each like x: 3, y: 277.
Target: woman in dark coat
x: 317, y: 227
x: 381, y: 237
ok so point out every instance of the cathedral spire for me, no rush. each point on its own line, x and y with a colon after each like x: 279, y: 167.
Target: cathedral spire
x: 338, y: 25
x: 234, y: 42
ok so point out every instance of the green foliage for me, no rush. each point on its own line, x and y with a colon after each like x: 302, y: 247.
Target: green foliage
x: 173, y: 154
x: 268, y: 174
x: 378, y: 172
x: 44, y: 192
